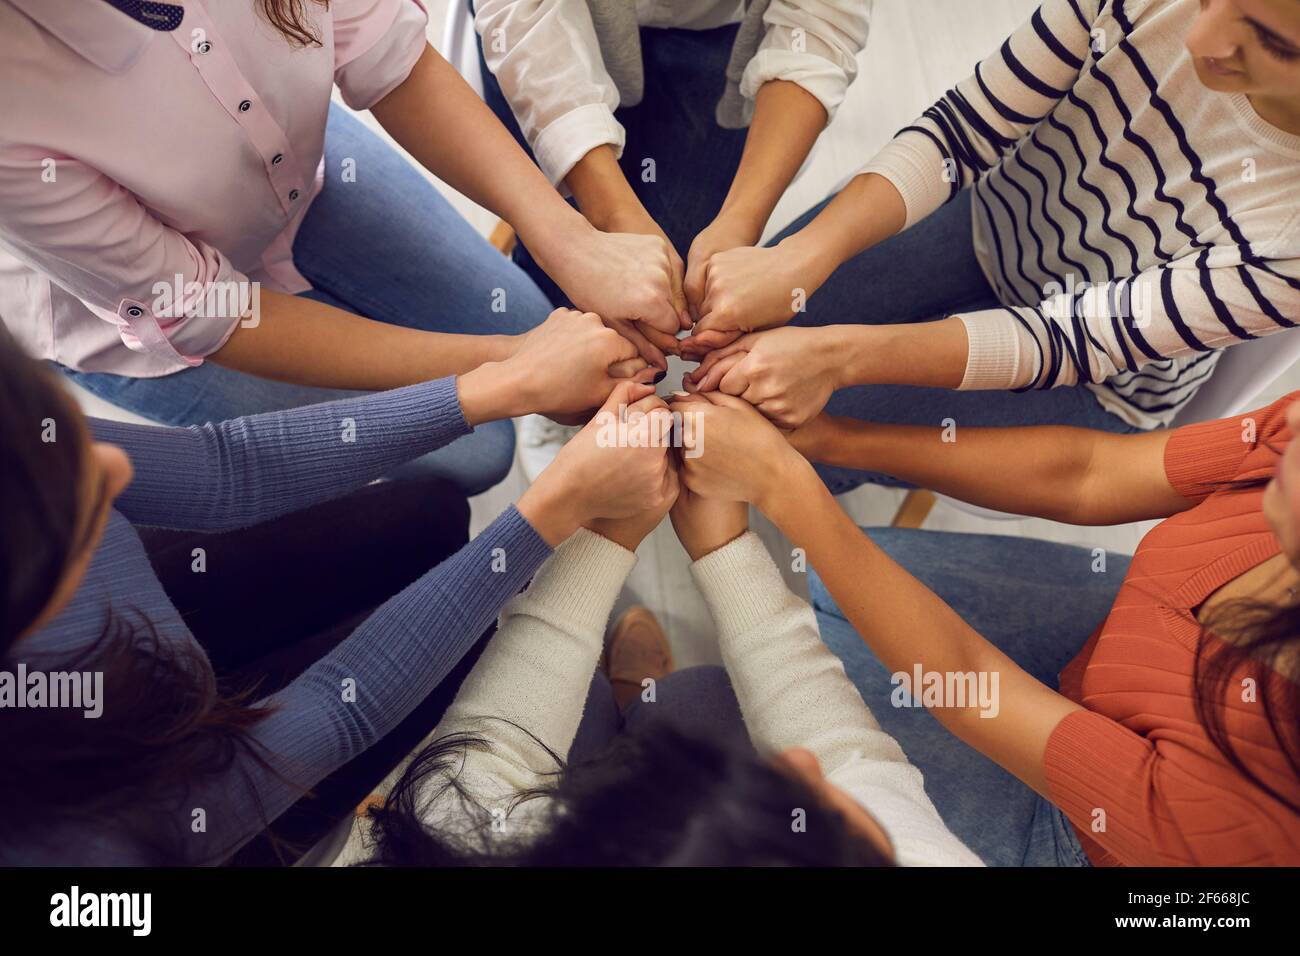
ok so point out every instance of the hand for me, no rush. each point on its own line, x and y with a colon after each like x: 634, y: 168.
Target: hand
x: 631, y: 218
x: 704, y: 525
x: 631, y: 531
x: 567, y: 365
x: 725, y: 232
x: 787, y: 374
x: 619, y: 466
x: 631, y: 278
x: 752, y: 288
x: 730, y: 451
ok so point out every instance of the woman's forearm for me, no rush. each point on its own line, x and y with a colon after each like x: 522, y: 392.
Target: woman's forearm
x: 226, y: 475
x: 908, y: 626
x: 391, y: 662
x: 1076, y: 475
x: 931, y: 354
x: 865, y: 212
x: 1040, y: 471
x: 787, y: 121
x: 442, y: 122
x: 602, y: 192
x: 305, y: 342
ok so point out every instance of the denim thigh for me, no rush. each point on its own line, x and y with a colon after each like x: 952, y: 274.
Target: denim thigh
x: 1038, y: 602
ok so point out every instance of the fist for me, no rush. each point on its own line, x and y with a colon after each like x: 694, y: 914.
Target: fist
x: 571, y: 363
x: 729, y: 450
x: 620, y: 465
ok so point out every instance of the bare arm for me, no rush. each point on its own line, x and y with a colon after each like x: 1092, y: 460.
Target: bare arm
x: 1066, y: 474
x: 787, y: 121
x: 906, y: 624
x: 299, y: 340
x: 442, y: 122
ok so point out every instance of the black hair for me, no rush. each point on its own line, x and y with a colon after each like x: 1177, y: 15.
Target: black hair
x: 165, y: 724
x: 656, y: 797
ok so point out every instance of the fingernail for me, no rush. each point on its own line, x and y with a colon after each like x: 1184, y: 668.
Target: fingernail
x: 682, y: 394
x: 659, y: 377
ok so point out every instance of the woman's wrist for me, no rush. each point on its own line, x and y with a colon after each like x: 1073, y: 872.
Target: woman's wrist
x: 603, y: 192
x: 698, y: 550
x: 491, y: 392
x: 786, y: 479
x: 813, y: 261
x: 861, y: 353
x: 742, y: 219
x: 556, y: 236
x: 552, y: 508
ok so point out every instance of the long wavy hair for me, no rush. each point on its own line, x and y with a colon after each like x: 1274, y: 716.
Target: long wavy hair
x: 1250, y: 643
x: 290, y: 17
x: 653, y: 798
x: 165, y: 725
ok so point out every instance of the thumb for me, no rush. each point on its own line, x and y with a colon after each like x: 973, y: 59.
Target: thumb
x: 702, y: 341
x: 729, y: 401
x: 679, y: 294
x: 693, y: 287
x: 626, y: 393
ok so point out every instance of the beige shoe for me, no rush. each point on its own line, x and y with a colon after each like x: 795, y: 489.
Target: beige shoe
x: 637, y: 649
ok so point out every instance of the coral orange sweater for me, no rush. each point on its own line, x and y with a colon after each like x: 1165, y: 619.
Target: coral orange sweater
x: 1135, y: 771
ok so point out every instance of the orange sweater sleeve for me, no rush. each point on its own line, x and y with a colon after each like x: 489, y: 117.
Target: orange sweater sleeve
x: 1147, y: 804
x: 1200, y: 457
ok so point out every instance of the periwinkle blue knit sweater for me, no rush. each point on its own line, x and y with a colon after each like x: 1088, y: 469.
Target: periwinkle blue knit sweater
x: 247, y: 470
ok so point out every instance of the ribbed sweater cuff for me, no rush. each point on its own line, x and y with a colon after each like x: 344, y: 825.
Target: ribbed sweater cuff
x: 915, y: 167
x: 437, y: 403
x: 513, y: 550
x: 1092, y: 763
x: 581, y: 581
x: 993, y: 352
x: 741, y: 585
x: 1198, y: 459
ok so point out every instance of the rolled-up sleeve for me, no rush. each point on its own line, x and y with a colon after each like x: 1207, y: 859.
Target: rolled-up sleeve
x: 813, y: 43
x: 376, y: 45
x: 547, y: 59
x: 168, y: 295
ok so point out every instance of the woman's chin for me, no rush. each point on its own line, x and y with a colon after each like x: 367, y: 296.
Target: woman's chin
x: 1220, y: 82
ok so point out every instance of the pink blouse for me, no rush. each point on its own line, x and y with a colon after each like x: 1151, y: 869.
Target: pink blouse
x: 134, y: 160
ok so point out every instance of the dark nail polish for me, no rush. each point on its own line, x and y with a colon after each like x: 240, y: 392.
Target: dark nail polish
x: 659, y: 377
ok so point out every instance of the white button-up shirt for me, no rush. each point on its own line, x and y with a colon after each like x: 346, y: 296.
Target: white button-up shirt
x: 546, y: 57
x: 131, y: 157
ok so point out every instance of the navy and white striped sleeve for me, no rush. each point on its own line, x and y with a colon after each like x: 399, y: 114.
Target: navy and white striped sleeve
x: 1182, y: 308
x: 976, y: 123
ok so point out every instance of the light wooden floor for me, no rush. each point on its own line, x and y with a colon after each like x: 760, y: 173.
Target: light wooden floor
x: 917, y: 50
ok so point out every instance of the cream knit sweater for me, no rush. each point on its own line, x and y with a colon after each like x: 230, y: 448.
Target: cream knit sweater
x: 792, y: 691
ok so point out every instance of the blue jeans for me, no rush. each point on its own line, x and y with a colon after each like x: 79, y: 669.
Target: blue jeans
x: 673, y: 125
x: 388, y: 247
x: 928, y: 272
x: 1036, y: 601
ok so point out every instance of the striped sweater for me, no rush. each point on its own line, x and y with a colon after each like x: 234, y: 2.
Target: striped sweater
x: 1131, y: 221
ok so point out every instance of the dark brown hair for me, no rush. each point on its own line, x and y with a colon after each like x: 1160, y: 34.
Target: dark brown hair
x: 291, y: 19
x: 1248, y: 639
x: 1251, y: 640
x: 652, y: 797
x: 165, y: 725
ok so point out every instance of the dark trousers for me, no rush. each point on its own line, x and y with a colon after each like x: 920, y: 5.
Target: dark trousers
x: 694, y: 159
x: 278, y: 596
